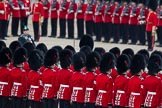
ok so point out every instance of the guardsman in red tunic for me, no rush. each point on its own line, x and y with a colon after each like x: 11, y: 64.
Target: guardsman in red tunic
x: 135, y: 84
x: 4, y: 16
x: 152, y: 86
x: 34, y: 79
x: 159, y: 25
x: 151, y: 24
x: 98, y: 19
x: 54, y: 17
x: 70, y: 18
x: 44, y: 27
x: 5, y: 88
x: 116, y: 21
x: 38, y: 16
x: 81, y: 7
x: 25, y: 12
x: 124, y: 19
x: 143, y: 12
x: 64, y: 76
x: 133, y: 29
x: 104, y: 84
x: 15, y: 9
x: 107, y: 19
x: 88, y: 17
x: 121, y: 96
x: 18, y: 79
x: 77, y: 81
x: 62, y: 17
x: 50, y: 79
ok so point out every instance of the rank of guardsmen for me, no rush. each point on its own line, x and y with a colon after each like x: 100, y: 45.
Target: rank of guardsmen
x: 33, y: 76
x: 120, y: 20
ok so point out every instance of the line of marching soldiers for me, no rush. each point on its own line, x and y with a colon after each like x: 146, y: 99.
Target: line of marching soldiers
x: 39, y: 78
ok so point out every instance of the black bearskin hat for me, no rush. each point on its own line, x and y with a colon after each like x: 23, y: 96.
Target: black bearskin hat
x: 92, y: 61
x: 100, y: 50
x: 86, y: 40
x: 123, y: 63
x: 129, y: 52
x: 65, y: 58
x: 115, y: 51
x: 71, y: 48
x: 107, y: 62
x: 2, y: 44
x: 78, y: 61
x: 29, y: 48
x: 58, y: 48
x: 142, y: 1
x: 51, y: 57
x: 156, y: 59
x: 152, y: 5
x: 5, y: 56
x: 19, y: 56
x: 137, y: 64
x: 14, y: 46
x: 43, y: 48
x: 86, y: 50
x: 35, y: 60
x: 145, y: 53
x: 153, y: 68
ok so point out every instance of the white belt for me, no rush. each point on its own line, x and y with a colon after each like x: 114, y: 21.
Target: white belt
x: 77, y: 88
x: 89, y: 89
x: 136, y: 94
x: 18, y: 84
x: 4, y: 83
x: 102, y: 91
x: 62, y: 85
x: 152, y: 93
x: 48, y: 85
x: 32, y: 86
x: 120, y: 91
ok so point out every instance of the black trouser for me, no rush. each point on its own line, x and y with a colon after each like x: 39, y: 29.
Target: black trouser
x: 116, y: 32
x: 44, y: 27
x: 89, y: 28
x: 159, y: 34
x: 141, y: 34
x: 53, y: 27
x: 15, y: 26
x: 3, y: 101
x: 90, y: 105
x: 62, y: 27
x: 48, y: 103
x: 70, y: 28
x: 36, y: 31
x: 98, y: 26
x: 133, y: 33
x: 16, y: 102
x: 119, y: 107
x: 3, y: 27
x: 77, y: 105
x: 150, y: 40
x: 7, y: 23
x: 107, y: 31
x: 35, y: 104
x: 80, y: 27
x: 23, y: 22
x: 124, y: 33
x: 64, y: 104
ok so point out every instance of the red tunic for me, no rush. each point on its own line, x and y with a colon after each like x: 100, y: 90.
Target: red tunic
x: 135, y: 89
x: 104, y: 87
x: 121, y: 96
x: 37, y: 11
x: 15, y: 9
x: 151, y: 21
x: 77, y: 87
x: 46, y: 8
x: 89, y: 13
x: 54, y: 9
x: 152, y: 91
x: 4, y: 10
x: 116, y: 14
x: 4, y: 81
x: 71, y: 10
x: 143, y: 13
x: 124, y: 17
x: 99, y: 12
x: 50, y: 83
x: 18, y: 82
x: 63, y: 9
x: 113, y: 74
x: 160, y: 75
x: 64, y: 76
x: 35, y: 84
x: 81, y: 8
x: 134, y: 12
x: 25, y: 9
x: 90, y: 91
x: 108, y: 13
